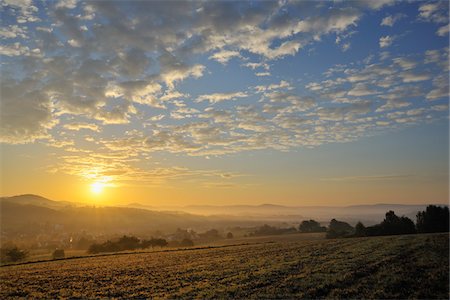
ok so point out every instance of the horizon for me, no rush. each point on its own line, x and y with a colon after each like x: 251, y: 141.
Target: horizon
x: 128, y: 205
x: 226, y: 103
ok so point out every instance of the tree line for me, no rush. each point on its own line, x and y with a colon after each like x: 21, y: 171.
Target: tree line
x: 433, y: 219
x: 126, y: 243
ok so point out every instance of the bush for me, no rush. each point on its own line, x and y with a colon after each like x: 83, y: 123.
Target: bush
x: 392, y: 225
x: 126, y: 243
x: 339, y: 229
x: 153, y: 243
x: 360, y: 229
x: 58, y: 254
x: 270, y: 230
x: 13, y: 254
x: 311, y: 226
x: 229, y: 235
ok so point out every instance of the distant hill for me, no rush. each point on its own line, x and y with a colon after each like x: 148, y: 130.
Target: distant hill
x: 30, y: 214
x: 26, y: 213
x: 30, y: 199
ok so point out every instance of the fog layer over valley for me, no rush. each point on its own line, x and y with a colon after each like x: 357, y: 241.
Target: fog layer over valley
x: 34, y: 221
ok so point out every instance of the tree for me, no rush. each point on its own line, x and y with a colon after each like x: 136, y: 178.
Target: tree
x: 360, y: 229
x: 153, y: 243
x: 433, y: 219
x: 13, y: 254
x: 229, y: 235
x: 58, y: 254
x: 392, y: 224
x: 128, y: 243
x: 339, y: 229
x: 311, y: 226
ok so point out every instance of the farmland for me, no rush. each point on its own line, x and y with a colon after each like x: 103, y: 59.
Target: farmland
x: 410, y: 266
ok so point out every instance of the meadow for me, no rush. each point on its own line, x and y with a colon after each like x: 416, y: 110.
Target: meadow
x: 408, y: 266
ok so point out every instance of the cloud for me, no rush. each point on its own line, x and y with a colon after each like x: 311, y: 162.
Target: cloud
x: 274, y: 86
x: 69, y: 4
x: 13, y: 31
x: 386, y: 41
x: 361, y: 89
x: 139, y: 91
x: 174, y: 70
x: 23, y: 10
x: 436, y: 12
x: 404, y: 63
x: 254, y: 65
x: 409, y: 76
x: 82, y: 125
x: 149, y: 67
x: 391, y: 20
x: 26, y: 112
x: 224, y: 56
x: 440, y: 88
x: 218, y: 97
x: 443, y: 31
x: 336, y: 20
x: 344, y: 112
x: 381, y: 177
x: 260, y: 74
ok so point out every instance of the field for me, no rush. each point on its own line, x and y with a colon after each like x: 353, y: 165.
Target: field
x: 414, y: 266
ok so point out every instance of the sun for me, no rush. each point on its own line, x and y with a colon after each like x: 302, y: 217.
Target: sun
x: 97, y: 187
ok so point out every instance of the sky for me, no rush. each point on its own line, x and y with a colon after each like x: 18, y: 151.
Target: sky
x: 247, y: 102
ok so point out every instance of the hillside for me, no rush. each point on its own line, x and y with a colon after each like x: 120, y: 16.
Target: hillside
x: 30, y: 199
x: 31, y: 215
x: 413, y: 266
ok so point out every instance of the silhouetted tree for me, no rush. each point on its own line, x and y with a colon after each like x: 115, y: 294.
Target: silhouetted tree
x: 229, y: 235
x: 270, y: 230
x: 360, y: 229
x: 95, y: 248
x: 124, y: 243
x: 311, y: 226
x: 83, y: 243
x: 58, y: 254
x: 13, y: 254
x: 153, y: 243
x: 339, y: 229
x: 392, y: 225
x: 433, y: 219
x: 128, y: 243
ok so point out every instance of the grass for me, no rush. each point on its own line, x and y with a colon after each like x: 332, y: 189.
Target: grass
x: 413, y: 266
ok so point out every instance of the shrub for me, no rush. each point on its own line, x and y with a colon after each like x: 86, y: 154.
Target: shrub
x: 311, y: 226
x: 392, y: 225
x: 13, y: 254
x: 339, y: 229
x: 360, y: 229
x: 58, y: 254
x: 270, y: 230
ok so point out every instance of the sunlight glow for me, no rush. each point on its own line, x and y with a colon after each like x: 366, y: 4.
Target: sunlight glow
x: 97, y: 187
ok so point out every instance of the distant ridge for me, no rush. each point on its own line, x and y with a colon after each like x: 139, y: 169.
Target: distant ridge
x: 31, y: 199
x: 367, y: 213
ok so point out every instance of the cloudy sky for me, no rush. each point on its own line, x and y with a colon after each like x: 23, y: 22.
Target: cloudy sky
x: 172, y: 103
